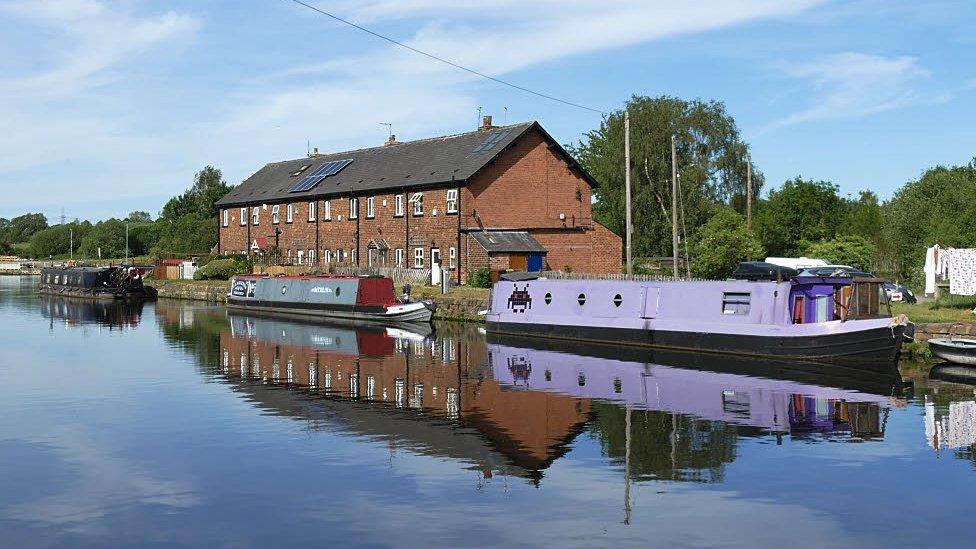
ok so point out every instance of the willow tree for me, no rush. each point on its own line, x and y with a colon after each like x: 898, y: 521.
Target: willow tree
x: 712, y: 161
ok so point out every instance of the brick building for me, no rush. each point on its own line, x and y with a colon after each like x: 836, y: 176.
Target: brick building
x: 505, y: 197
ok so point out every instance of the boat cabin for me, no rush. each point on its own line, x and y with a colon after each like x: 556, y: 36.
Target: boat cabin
x: 821, y: 299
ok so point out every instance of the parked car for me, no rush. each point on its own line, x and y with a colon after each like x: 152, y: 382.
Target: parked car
x: 762, y: 270
x: 898, y: 292
x: 837, y: 270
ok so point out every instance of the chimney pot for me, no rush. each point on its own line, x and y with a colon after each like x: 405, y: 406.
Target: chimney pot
x: 486, y: 122
x: 391, y: 141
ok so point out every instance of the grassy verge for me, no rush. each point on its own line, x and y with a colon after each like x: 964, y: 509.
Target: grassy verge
x: 960, y: 309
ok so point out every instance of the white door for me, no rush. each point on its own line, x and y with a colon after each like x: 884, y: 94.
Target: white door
x: 435, y: 266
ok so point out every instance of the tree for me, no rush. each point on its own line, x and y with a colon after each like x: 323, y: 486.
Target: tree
x: 139, y: 217
x: 188, y: 222
x: 799, y: 212
x: 938, y: 208
x: 721, y: 244
x: 57, y: 240
x: 106, y: 239
x: 22, y: 228
x: 853, y: 250
x: 5, y: 247
x: 190, y: 233
x: 864, y: 218
x: 711, y: 164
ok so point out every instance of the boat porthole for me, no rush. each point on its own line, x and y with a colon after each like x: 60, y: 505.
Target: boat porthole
x: 284, y: 289
x: 548, y: 298
x: 581, y: 380
x: 548, y: 375
x: 338, y: 289
x: 617, y: 300
x: 581, y: 299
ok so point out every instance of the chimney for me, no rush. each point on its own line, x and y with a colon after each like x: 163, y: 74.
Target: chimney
x: 486, y: 123
x: 315, y: 152
x: 391, y: 141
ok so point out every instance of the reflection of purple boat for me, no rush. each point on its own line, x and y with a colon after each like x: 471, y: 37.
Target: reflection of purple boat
x: 824, y: 319
x: 779, y: 405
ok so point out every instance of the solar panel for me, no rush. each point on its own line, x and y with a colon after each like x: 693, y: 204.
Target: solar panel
x: 325, y: 170
x: 490, y: 141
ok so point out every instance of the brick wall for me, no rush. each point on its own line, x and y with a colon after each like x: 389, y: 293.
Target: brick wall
x: 595, y: 250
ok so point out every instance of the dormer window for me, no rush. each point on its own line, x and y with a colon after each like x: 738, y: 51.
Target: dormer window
x: 300, y: 170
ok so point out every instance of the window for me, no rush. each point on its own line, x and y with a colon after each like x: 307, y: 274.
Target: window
x: 451, y: 256
x: 328, y: 210
x: 371, y: 207
x: 418, y: 203
x: 243, y: 216
x: 276, y: 214
x: 255, y: 215
x: 301, y: 257
x: 399, y: 257
x: 418, y: 258
x: 735, y: 303
x: 311, y: 257
x: 398, y: 205
x: 311, y: 211
x: 452, y: 201
x: 300, y: 170
x: 291, y: 213
x: 340, y: 255
x: 352, y: 257
x: 327, y: 255
x: 226, y: 217
x: 353, y: 208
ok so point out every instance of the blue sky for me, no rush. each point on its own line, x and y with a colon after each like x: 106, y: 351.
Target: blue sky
x: 110, y: 107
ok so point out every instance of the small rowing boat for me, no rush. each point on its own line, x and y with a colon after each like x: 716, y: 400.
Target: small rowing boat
x: 954, y: 349
x: 369, y: 298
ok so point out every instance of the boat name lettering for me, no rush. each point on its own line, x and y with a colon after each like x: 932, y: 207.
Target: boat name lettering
x: 320, y: 290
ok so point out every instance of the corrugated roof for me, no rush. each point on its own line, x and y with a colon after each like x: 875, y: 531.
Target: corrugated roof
x: 508, y: 241
x: 426, y: 162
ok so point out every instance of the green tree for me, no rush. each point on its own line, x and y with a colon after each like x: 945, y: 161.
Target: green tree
x: 106, y: 239
x: 56, y: 241
x: 191, y: 233
x: 5, y: 247
x: 852, y: 250
x: 139, y: 217
x: 798, y: 213
x: 938, y: 208
x: 864, y: 217
x: 22, y: 228
x: 721, y: 244
x: 711, y: 165
x: 188, y: 223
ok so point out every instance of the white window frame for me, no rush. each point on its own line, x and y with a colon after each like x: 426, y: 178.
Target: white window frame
x: 451, y: 257
x: 418, y: 258
x: 418, y: 204
x: 275, y: 214
x: 452, y: 201
x: 311, y: 257
x: 340, y: 255
x: 353, y: 208
x: 301, y: 257
x: 352, y: 256
x: 400, y: 252
x: 398, y: 205
x: 290, y: 215
x: 243, y: 217
x: 371, y: 207
x: 255, y: 216
x: 311, y: 211
x: 226, y: 220
x: 327, y: 256
x: 328, y: 210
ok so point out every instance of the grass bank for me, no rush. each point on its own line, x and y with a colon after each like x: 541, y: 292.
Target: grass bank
x: 959, y: 309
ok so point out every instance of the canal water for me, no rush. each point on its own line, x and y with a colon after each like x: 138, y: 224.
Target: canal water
x: 178, y: 424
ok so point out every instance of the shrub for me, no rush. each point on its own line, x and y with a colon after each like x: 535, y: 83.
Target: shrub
x: 218, y: 269
x: 480, y: 278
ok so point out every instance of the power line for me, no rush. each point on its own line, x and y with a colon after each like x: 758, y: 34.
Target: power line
x: 446, y: 61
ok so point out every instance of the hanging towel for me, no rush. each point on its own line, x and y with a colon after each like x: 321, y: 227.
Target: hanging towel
x: 930, y: 266
x: 962, y: 271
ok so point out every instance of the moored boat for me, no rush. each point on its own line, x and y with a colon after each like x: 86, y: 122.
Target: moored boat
x: 814, y: 318
x: 95, y: 282
x: 954, y: 349
x: 357, y: 298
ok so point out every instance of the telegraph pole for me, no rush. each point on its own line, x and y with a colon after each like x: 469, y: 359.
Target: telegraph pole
x: 630, y: 265
x: 127, y: 242
x: 71, y: 243
x: 674, y: 205
x: 749, y: 193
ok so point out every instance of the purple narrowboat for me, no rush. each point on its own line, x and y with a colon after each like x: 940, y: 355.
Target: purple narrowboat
x: 814, y: 318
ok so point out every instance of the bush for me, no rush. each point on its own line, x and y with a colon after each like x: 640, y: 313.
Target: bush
x: 721, y: 244
x: 480, y: 278
x: 219, y: 269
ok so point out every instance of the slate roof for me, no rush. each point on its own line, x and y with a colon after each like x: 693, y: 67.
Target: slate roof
x: 424, y: 163
x: 508, y: 241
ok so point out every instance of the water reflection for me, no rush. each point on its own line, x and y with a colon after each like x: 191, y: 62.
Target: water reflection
x: 113, y: 314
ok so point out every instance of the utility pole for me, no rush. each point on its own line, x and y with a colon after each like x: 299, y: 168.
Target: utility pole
x: 630, y: 264
x: 71, y: 243
x: 674, y: 205
x: 749, y: 193
x: 127, y: 242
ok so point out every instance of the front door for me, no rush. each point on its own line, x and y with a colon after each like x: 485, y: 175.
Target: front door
x: 517, y: 262
x: 435, y: 266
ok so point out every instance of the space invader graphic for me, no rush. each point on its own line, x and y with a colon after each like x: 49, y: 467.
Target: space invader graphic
x: 520, y: 368
x: 520, y: 300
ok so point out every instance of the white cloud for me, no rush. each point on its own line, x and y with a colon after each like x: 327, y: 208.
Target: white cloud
x: 856, y: 84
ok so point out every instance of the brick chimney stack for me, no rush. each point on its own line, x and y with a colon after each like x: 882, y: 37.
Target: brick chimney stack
x: 486, y: 123
x: 391, y: 141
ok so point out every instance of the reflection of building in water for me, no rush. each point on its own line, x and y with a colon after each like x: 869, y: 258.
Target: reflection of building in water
x: 955, y: 429
x: 75, y: 311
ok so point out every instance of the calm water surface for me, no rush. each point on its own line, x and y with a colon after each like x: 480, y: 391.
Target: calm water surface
x: 176, y: 424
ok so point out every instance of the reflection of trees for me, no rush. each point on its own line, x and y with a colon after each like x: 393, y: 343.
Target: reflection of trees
x: 665, y: 446
x: 197, y: 333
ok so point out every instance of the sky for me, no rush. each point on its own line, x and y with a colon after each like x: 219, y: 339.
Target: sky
x: 112, y: 106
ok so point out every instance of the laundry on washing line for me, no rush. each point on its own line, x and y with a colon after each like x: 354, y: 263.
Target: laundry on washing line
x: 956, y: 264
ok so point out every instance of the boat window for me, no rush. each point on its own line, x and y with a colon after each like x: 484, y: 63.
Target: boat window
x: 820, y: 303
x: 618, y: 386
x: 617, y: 300
x: 735, y: 303
x: 548, y: 298
x: 581, y: 299
x: 284, y: 289
x: 338, y: 290
x: 581, y: 379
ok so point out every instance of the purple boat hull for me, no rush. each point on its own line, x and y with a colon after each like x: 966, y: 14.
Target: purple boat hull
x: 689, y: 316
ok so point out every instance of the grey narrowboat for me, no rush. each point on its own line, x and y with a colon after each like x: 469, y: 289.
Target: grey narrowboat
x: 95, y: 282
